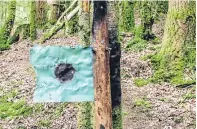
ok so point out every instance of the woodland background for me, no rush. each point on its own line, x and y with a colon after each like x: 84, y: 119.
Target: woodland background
x: 155, y: 39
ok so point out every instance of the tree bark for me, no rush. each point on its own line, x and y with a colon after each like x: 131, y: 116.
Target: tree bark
x: 41, y: 14
x: 33, y: 33
x: 54, y: 12
x: 84, y: 22
x: 171, y: 56
x: 6, y: 29
x: 147, y: 19
x: 103, y: 109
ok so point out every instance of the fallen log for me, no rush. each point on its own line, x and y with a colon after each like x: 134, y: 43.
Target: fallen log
x: 58, y: 26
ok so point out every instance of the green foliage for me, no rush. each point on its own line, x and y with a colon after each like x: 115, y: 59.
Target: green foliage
x: 4, y: 47
x: 44, y: 123
x: 141, y: 82
x: 33, y: 33
x: 10, y: 109
x: 72, y: 26
x: 189, y: 96
x: 143, y: 103
x: 137, y: 44
x: 117, y: 117
x: 85, y: 116
x: 127, y: 21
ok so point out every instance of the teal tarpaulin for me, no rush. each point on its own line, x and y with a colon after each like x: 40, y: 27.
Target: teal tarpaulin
x: 64, y: 74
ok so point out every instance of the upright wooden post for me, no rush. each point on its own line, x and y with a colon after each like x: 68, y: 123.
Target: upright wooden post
x: 103, y: 106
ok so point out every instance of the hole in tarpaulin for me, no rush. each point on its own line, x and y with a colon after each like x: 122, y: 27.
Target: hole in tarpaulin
x: 64, y: 72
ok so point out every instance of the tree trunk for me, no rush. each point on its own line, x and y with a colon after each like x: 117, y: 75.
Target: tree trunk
x: 84, y: 22
x: 54, y: 12
x: 181, y: 14
x: 33, y: 33
x: 127, y: 23
x: 103, y: 109
x: 85, y: 114
x: 147, y: 19
x: 6, y: 29
x: 41, y: 14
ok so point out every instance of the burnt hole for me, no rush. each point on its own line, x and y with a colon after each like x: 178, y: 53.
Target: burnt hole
x: 101, y: 126
x: 64, y: 72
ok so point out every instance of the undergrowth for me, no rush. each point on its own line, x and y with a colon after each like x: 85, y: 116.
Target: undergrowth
x: 10, y: 109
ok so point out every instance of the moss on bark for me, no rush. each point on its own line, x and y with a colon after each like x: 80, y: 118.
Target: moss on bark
x: 6, y: 29
x: 169, y: 62
x: 33, y: 33
x: 84, y: 22
x: 147, y: 19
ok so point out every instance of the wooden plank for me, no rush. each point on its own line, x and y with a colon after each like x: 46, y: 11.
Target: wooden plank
x: 103, y: 106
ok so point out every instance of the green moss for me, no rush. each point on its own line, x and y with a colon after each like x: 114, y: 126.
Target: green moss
x: 5, y: 30
x: 85, y: 118
x: 137, y: 44
x: 127, y: 23
x: 117, y: 117
x: 33, y: 33
x: 4, y: 47
x: 44, y: 123
x: 59, y: 110
x: 143, y: 103
x: 9, y: 109
x: 141, y: 82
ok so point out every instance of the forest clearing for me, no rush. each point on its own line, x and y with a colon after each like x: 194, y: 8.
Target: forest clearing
x: 153, y: 84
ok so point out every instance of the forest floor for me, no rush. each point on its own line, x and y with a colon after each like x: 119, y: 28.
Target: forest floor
x: 153, y: 106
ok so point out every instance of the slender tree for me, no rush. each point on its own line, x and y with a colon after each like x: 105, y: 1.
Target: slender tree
x: 84, y: 22
x: 41, y: 13
x: 147, y: 19
x: 33, y: 33
x: 53, y: 11
x: 169, y: 61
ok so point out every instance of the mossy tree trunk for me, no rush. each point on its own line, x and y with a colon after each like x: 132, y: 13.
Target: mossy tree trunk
x: 147, y: 19
x: 84, y: 22
x: 6, y: 29
x: 54, y: 10
x: 86, y: 109
x: 41, y: 13
x: 115, y: 54
x: 170, y: 60
x: 33, y: 33
x: 127, y: 22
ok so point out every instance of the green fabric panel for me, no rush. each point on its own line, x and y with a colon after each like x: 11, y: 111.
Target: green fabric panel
x: 48, y: 87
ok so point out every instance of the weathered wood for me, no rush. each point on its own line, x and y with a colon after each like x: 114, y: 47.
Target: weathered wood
x: 103, y: 106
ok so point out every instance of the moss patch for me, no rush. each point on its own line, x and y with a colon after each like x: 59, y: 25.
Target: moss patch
x: 143, y: 103
x: 10, y: 109
x: 141, y: 82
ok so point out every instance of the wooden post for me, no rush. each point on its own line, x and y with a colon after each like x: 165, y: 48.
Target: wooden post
x: 103, y: 106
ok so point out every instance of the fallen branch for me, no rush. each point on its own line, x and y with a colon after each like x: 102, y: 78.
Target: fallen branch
x: 57, y: 26
x: 66, y: 11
